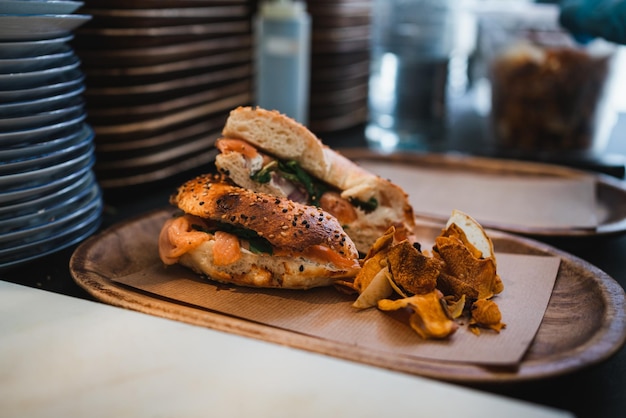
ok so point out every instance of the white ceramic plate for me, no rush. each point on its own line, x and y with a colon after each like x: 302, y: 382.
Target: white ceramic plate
x: 17, y: 183
x: 41, y: 134
x: 38, y: 6
x: 56, y: 243
x: 31, y: 107
x: 32, y: 79
x: 47, y: 215
x: 38, y: 206
x: 36, y: 63
x: 37, y: 27
x: 77, y: 147
x: 22, y: 49
x: 32, y: 206
x: 60, y: 84
x: 53, y: 242
x: 44, y: 175
x: 25, y: 236
x: 71, y: 111
x: 39, y: 191
x: 18, y: 153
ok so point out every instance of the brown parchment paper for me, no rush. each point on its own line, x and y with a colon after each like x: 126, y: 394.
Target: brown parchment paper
x: 535, y: 202
x: 327, y: 313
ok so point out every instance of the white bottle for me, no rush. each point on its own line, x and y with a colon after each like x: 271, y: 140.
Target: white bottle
x: 283, y: 44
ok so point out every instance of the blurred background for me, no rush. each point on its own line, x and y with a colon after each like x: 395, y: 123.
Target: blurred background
x: 161, y: 77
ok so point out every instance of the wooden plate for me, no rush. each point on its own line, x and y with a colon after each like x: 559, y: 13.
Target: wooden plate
x: 342, y: 34
x: 150, y: 127
x: 157, y: 157
x: 339, y: 91
x: 165, y: 15
x: 123, y: 56
x: 321, y: 61
x: 191, y: 66
x: 338, y: 21
x: 208, y: 29
x: 338, y: 121
x: 341, y: 8
x: 345, y: 46
x: 134, y: 93
x: 163, y: 74
x: 153, y: 175
x: 152, y: 4
x: 116, y: 115
x: 339, y: 73
x: 610, y: 192
x: 561, y: 345
x: 320, y: 111
x: 154, y: 36
x: 118, y: 149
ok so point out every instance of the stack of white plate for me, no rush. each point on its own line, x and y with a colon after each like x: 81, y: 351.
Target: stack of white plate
x: 161, y: 77
x: 49, y: 197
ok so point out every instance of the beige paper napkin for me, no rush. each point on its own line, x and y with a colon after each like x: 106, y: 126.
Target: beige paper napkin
x: 328, y: 314
x: 535, y: 202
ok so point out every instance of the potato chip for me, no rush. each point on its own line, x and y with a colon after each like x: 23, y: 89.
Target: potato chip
x: 465, y: 274
x: 428, y: 318
x: 485, y: 314
x: 370, y: 268
x: 378, y: 288
x: 397, y: 288
x: 455, y: 231
x: 456, y: 307
x: 412, y: 271
x: 474, y: 232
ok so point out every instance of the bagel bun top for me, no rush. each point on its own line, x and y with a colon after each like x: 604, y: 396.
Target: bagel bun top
x: 288, y: 226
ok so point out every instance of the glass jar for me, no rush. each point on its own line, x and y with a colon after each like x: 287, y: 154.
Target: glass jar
x: 548, y: 93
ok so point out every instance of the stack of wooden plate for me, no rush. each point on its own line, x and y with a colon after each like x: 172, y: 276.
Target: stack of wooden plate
x: 339, y: 63
x: 161, y: 76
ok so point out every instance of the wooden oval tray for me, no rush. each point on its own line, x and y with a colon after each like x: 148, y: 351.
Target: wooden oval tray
x: 561, y: 345
x: 610, y: 192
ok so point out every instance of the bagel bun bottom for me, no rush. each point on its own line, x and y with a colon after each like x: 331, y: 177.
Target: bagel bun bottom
x: 263, y: 271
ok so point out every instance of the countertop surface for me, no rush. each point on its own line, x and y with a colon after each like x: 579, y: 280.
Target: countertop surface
x: 181, y: 370
x: 66, y: 357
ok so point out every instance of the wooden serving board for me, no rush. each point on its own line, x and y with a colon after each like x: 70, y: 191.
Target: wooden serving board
x: 581, y: 292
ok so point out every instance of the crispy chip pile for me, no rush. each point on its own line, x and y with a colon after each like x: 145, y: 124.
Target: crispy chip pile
x: 456, y: 282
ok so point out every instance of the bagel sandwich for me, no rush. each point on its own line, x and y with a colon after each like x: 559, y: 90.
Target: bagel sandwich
x: 268, y: 152
x: 238, y: 236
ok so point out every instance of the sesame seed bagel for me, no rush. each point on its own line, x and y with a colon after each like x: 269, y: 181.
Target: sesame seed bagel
x: 224, y: 233
x: 287, y: 225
